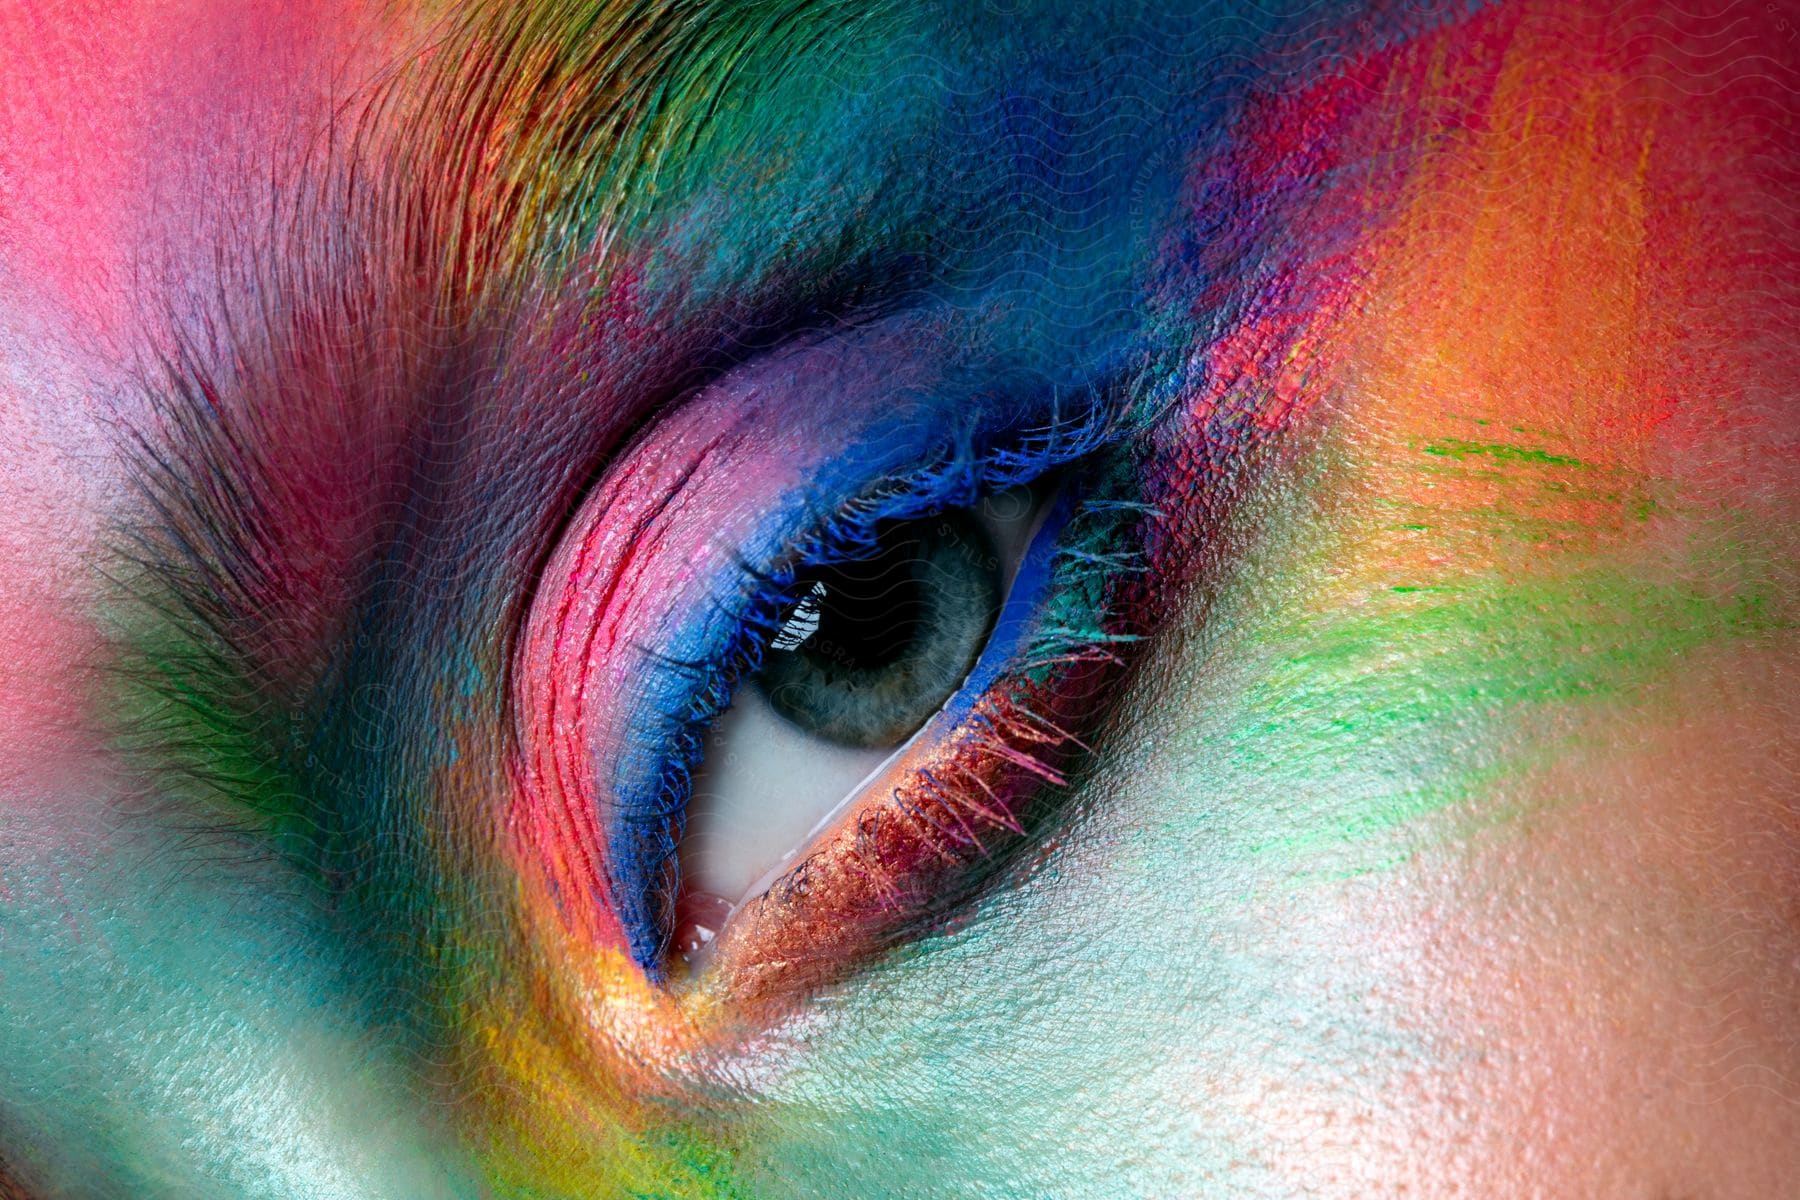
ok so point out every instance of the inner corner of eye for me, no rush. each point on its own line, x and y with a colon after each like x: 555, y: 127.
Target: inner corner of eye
x: 865, y: 650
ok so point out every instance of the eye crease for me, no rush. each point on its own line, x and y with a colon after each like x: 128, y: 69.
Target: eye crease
x: 868, y: 651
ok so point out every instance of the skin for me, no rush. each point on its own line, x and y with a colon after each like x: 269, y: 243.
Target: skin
x: 1442, y: 840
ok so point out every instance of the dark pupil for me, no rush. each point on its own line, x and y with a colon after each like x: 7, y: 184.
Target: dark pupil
x: 870, y: 612
x: 872, y: 646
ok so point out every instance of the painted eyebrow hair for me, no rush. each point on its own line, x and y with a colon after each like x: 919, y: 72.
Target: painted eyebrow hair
x: 9, y: 1189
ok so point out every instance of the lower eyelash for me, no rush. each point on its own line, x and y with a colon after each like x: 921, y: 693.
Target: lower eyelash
x: 1070, y: 627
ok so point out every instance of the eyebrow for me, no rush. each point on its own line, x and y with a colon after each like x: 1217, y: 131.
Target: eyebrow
x: 466, y: 297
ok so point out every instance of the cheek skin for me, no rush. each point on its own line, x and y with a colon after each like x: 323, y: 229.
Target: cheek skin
x: 1565, y: 972
x: 1618, y: 1000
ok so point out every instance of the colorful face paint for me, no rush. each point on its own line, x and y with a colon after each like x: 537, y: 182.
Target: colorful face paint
x: 1403, y: 381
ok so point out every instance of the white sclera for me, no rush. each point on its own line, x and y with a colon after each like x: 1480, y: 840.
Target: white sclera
x: 765, y: 784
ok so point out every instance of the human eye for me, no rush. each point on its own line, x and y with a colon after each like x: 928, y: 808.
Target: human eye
x: 871, y: 641
x: 786, y: 701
